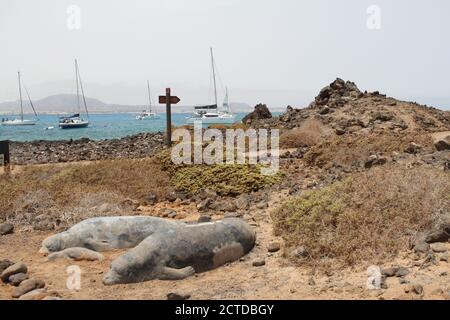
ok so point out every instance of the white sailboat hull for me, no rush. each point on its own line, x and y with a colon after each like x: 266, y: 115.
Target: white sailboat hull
x: 18, y: 122
x: 74, y: 125
x: 148, y: 116
x: 221, y: 119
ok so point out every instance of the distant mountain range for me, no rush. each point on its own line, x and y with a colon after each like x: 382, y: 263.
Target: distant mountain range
x: 67, y: 103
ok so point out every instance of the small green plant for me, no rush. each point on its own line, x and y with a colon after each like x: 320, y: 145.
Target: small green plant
x: 224, y: 179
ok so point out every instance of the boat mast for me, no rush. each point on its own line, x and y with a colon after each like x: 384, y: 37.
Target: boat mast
x: 214, y: 76
x: 20, y: 95
x: 31, y: 103
x: 78, y: 88
x: 226, y: 103
x: 149, y: 96
x: 82, y: 91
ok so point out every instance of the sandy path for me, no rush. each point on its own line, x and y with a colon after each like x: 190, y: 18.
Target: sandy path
x: 278, y: 279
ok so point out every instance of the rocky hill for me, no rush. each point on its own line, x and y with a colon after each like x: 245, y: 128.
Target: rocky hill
x: 342, y: 108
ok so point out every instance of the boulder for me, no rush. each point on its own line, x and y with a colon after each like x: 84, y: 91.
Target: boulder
x: 243, y: 202
x: 173, y: 196
x: 421, y: 247
x: 224, y: 206
x: 261, y: 112
x: 152, y: 198
x: 27, y: 286
x: 178, y: 296
x: 17, y: 279
x: 443, y: 144
x: 262, y: 205
x: 438, y: 234
x: 258, y: 262
x: 167, y: 213
x: 5, y: 263
x: 204, y: 205
x: 439, y: 247
x: 273, y: 247
x: 395, y: 272
x: 413, y: 148
x: 41, y: 294
x: 204, y: 219
x: 14, y: 269
x: 6, y: 228
x: 300, y: 252
x: 375, y: 160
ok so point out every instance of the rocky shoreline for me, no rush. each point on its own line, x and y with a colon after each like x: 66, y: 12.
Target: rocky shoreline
x: 41, y: 152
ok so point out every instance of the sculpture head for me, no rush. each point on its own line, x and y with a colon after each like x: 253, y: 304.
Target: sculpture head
x: 53, y: 243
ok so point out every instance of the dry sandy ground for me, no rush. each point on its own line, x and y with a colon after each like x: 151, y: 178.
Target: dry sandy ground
x: 278, y: 279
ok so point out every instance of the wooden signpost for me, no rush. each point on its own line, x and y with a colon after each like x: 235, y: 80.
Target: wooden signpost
x: 168, y: 100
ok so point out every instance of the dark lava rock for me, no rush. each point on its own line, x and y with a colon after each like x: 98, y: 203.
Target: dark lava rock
x: 395, y: 272
x: 422, y: 247
x: 6, y: 228
x: 178, y: 296
x: 4, y: 264
x: 152, y: 199
x: 258, y: 262
x: 167, y: 213
x: 413, y: 148
x: 136, y: 146
x: 204, y: 205
x: 204, y: 219
x: 443, y: 144
x: 224, y: 206
x: 261, y: 112
x: 438, y: 234
x: 273, y: 247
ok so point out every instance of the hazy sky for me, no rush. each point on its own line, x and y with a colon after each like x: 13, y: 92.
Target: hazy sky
x: 275, y: 51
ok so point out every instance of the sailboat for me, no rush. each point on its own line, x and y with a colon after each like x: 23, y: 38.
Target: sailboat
x: 144, y: 115
x: 210, y: 114
x: 21, y: 121
x: 76, y: 121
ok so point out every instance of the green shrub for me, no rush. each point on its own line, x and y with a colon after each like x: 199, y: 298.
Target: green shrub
x: 224, y: 179
x: 367, y: 217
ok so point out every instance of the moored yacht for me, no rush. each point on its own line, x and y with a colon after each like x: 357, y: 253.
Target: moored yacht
x: 75, y: 121
x: 21, y: 121
x: 210, y: 114
x: 148, y: 115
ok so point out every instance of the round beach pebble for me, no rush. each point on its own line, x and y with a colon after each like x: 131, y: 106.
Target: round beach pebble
x: 273, y: 247
x: 19, y: 267
x: 27, y: 286
x: 16, y: 279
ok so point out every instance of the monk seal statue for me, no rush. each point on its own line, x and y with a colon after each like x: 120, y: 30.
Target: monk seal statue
x: 180, y: 252
x: 107, y: 233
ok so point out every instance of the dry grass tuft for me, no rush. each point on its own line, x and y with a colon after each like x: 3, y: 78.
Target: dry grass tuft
x: 353, y: 150
x: 310, y: 133
x: 95, y: 188
x: 367, y: 217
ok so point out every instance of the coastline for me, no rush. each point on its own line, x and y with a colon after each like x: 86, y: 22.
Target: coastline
x: 41, y: 152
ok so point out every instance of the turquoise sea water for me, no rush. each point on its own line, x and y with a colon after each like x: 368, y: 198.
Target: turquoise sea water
x: 102, y: 126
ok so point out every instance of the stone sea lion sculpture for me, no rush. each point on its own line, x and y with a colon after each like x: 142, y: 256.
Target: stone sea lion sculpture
x: 76, y: 254
x: 107, y: 233
x: 180, y: 252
